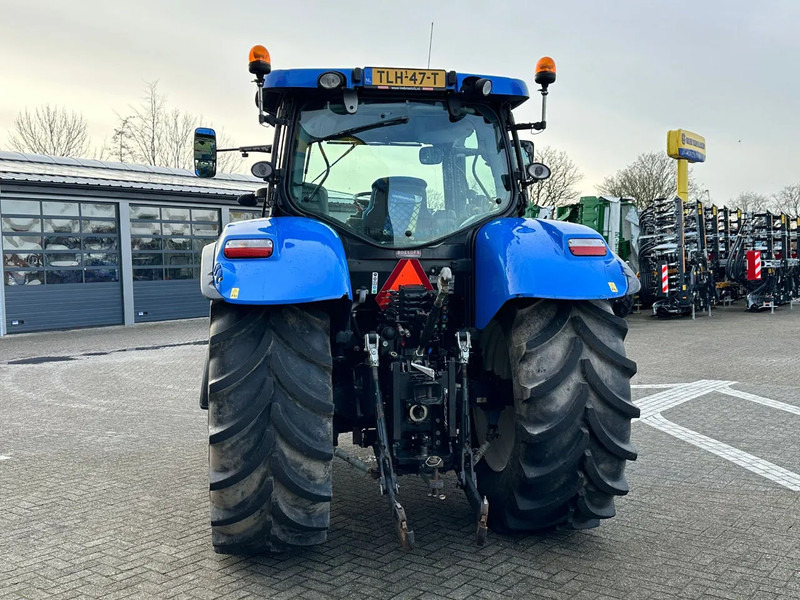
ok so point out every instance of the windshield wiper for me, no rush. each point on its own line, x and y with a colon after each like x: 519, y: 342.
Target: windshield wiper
x: 329, y: 166
x: 362, y: 128
x: 342, y: 134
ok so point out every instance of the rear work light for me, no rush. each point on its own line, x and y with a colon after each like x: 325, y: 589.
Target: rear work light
x: 331, y: 80
x: 256, y: 248
x: 587, y: 247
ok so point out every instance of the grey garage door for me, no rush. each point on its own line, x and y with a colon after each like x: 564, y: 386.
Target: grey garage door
x: 165, y: 248
x: 61, y: 264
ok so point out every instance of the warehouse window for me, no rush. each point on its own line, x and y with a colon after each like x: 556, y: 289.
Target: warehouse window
x: 52, y: 242
x: 244, y: 215
x: 166, y: 241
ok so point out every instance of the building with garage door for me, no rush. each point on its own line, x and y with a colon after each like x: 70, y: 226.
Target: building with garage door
x: 89, y: 243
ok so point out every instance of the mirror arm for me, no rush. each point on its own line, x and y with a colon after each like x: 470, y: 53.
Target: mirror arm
x: 538, y: 126
x: 267, y: 149
x: 271, y: 119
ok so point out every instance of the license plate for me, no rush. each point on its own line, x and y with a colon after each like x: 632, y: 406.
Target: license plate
x: 415, y: 79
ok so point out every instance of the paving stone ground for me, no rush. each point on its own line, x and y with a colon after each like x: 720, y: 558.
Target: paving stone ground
x: 103, y: 485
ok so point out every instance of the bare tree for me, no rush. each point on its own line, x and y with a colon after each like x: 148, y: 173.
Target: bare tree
x: 788, y: 200
x: 751, y: 202
x: 559, y: 188
x: 144, y: 128
x: 153, y: 133
x: 652, y: 175
x: 119, y: 149
x: 178, y: 131
x: 50, y: 130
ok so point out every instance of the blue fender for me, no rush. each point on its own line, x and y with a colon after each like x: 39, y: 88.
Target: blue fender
x: 530, y: 258
x: 307, y: 263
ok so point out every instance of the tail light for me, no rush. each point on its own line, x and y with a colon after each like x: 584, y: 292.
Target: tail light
x: 253, y: 248
x: 587, y: 247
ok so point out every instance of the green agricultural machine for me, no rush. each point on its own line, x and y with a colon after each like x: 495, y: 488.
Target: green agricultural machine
x: 616, y: 219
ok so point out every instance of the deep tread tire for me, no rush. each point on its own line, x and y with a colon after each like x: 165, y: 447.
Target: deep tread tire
x: 270, y: 414
x: 571, y: 417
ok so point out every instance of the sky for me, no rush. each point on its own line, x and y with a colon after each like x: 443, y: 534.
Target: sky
x: 628, y: 70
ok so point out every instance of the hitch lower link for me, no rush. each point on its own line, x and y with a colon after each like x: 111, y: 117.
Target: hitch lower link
x: 387, y: 477
x: 466, y: 474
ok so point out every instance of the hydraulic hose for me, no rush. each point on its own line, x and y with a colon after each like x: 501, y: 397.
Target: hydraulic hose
x: 445, y: 278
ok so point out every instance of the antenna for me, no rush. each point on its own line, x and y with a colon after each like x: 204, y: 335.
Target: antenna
x: 430, y: 45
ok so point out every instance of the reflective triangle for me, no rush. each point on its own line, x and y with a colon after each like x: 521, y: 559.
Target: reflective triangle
x: 407, y: 271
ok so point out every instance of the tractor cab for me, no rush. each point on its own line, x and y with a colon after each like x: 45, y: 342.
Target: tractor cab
x: 398, y: 158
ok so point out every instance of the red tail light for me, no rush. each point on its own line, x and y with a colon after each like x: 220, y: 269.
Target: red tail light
x: 260, y: 248
x: 587, y: 247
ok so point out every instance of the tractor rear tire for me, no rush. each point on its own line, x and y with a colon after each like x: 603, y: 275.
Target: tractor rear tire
x: 270, y: 413
x: 561, y: 454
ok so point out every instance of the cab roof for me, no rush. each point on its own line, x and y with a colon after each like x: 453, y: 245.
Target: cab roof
x: 514, y: 91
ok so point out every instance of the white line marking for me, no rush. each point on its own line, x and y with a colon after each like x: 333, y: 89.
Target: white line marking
x: 639, y: 386
x: 653, y: 405
x: 676, y: 394
x: 752, y: 463
x: 759, y: 400
x: 5, y: 457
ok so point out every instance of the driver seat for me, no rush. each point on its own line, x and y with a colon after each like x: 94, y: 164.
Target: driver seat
x: 396, y: 205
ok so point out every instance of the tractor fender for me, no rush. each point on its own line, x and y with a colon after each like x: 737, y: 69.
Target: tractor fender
x: 530, y: 258
x: 207, y: 287
x: 308, y: 264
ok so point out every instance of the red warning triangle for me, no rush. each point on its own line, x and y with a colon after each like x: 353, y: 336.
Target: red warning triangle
x: 407, y: 271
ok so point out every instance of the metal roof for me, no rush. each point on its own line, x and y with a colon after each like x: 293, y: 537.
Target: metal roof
x: 35, y: 168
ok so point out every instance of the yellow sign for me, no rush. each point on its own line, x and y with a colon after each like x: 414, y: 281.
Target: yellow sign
x: 234, y: 293
x: 682, y: 144
x: 613, y: 286
x: 405, y: 79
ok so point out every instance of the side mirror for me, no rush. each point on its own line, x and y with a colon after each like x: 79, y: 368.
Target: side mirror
x: 527, y: 152
x: 262, y: 169
x: 430, y: 155
x: 205, y: 152
x: 538, y: 171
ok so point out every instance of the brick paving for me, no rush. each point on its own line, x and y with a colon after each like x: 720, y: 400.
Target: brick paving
x: 103, y: 485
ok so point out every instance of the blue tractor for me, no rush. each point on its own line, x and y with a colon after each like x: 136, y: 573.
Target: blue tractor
x: 394, y: 290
